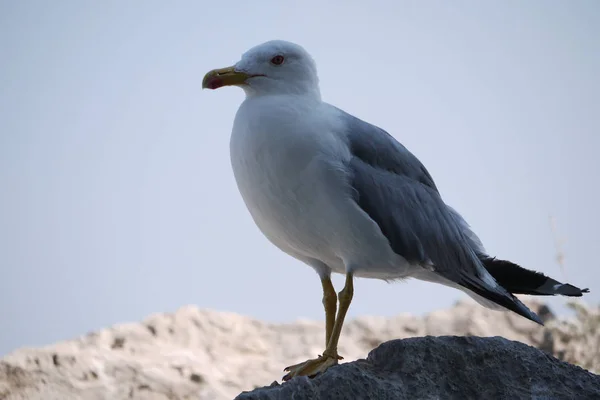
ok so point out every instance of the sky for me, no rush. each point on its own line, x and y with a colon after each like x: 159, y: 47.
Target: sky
x: 117, y: 197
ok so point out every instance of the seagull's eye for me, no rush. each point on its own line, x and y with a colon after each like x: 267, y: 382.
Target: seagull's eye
x: 277, y: 60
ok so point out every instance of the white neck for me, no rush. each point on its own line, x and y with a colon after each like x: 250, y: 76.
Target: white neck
x: 259, y: 88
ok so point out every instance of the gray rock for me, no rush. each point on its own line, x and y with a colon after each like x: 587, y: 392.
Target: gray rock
x: 444, y: 367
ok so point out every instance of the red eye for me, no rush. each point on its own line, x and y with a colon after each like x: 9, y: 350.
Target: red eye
x: 277, y: 60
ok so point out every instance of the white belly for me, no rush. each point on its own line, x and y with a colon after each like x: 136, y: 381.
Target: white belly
x: 302, y: 203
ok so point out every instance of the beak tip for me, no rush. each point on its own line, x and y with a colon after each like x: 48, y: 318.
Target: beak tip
x: 212, y: 84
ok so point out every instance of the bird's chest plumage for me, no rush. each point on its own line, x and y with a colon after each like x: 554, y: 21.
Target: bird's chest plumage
x: 275, y: 158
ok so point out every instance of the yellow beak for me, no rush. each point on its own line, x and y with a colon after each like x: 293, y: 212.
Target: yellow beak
x: 223, y: 77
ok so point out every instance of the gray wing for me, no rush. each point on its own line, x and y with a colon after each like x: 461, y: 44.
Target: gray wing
x: 394, y: 188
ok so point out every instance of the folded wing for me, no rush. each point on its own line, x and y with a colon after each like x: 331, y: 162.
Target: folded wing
x: 393, y: 187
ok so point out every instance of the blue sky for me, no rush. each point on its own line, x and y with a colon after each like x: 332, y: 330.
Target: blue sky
x: 118, y: 198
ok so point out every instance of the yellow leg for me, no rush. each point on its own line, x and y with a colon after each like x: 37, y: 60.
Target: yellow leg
x: 330, y: 304
x: 330, y: 356
x: 345, y: 297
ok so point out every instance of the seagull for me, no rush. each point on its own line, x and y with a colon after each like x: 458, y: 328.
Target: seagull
x: 343, y: 196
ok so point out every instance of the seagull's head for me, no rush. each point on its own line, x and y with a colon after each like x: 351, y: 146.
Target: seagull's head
x: 274, y: 67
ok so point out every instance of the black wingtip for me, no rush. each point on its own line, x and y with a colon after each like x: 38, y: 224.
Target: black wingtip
x: 500, y: 296
x: 530, y: 315
x: 519, y: 280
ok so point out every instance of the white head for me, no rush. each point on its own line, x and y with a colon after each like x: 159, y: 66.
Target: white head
x: 274, y: 67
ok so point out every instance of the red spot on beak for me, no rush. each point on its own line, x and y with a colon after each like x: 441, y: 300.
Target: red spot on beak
x: 213, y: 83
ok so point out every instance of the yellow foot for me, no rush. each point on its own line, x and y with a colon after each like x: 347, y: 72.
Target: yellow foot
x: 311, y: 368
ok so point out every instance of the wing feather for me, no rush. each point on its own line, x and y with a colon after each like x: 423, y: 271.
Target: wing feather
x: 394, y: 188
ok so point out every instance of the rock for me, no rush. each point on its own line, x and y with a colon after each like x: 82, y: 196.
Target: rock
x: 445, y: 367
x: 202, y: 354
x: 577, y: 340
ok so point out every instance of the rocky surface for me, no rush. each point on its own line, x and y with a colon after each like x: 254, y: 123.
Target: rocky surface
x: 202, y: 354
x: 446, y: 367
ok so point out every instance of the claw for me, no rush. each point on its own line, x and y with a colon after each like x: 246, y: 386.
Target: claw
x: 311, y: 368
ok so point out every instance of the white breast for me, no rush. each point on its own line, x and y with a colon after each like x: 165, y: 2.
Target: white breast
x: 274, y: 155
